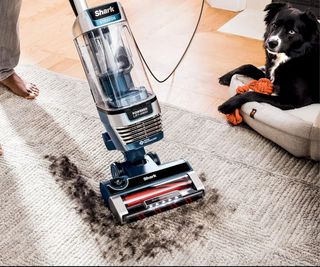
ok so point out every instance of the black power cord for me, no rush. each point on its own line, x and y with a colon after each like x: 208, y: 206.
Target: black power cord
x: 73, y: 7
x: 183, y: 55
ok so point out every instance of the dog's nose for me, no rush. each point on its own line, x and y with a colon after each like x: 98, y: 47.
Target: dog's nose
x: 273, y: 44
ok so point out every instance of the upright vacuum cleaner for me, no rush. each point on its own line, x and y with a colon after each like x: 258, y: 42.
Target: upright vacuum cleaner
x: 140, y: 186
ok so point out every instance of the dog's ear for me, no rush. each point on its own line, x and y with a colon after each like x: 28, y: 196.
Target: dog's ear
x: 311, y: 20
x: 313, y: 26
x: 272, y: 10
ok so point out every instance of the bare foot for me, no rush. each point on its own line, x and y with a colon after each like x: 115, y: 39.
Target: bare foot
x: 20, y: 88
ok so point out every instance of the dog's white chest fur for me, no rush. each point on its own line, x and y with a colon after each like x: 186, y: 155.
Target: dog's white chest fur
x: 280, y: 59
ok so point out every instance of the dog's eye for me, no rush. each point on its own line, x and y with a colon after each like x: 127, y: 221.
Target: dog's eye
x: 291, y: 32
x: 274, y: 26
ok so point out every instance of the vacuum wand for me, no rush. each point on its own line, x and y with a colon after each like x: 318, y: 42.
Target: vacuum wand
x: 128, y: 108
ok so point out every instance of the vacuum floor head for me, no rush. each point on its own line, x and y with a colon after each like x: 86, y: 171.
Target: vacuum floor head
x: 169, y: 186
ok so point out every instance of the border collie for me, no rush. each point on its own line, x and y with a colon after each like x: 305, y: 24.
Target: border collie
x: 291, y: 43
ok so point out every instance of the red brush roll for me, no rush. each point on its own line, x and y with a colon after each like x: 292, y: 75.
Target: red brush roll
x: 139, y: 197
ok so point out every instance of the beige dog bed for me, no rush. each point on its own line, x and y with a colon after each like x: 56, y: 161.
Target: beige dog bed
x: 297, y: 130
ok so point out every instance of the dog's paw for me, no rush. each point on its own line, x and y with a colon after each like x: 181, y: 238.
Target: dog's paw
x: 226, y: 108
x: 230, y: 105
x: 225, y: 79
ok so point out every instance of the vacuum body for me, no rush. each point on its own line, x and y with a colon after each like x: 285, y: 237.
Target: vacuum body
x: 140, y: 185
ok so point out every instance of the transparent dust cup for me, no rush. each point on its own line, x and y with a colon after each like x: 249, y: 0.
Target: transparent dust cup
x: 113, y: 67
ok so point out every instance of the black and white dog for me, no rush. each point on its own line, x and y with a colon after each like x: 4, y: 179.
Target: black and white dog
x: 291, y: 42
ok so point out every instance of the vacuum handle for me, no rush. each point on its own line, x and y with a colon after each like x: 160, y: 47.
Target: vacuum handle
x: 78, y: 6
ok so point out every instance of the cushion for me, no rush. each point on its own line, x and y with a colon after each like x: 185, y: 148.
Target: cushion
x: 296, y: 130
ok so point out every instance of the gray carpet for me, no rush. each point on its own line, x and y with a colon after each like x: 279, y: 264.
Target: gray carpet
x: 262, y: 206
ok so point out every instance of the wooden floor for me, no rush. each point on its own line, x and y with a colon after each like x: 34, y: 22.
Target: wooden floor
x: 162, y: 29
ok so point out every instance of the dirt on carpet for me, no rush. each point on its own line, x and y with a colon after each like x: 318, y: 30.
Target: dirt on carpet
x: 172, y: 230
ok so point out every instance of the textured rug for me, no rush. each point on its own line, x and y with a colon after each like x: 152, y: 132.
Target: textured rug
x: 262, y: 205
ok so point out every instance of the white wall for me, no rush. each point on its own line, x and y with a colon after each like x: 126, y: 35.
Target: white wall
x: 257, y: 4
x: 238, y: 5
x: 233, y: 5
